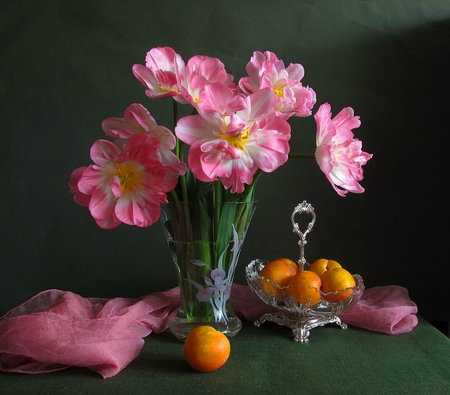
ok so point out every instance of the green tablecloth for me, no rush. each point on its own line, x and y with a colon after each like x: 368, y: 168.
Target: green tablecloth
x: 265, y: 360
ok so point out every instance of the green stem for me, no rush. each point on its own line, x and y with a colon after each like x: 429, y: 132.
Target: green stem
x: 184, y: 190
x: 175, y: 113
x: 217, y: 199
x: 174, y: 196
x: 251, y: 192
x: 177, y: 149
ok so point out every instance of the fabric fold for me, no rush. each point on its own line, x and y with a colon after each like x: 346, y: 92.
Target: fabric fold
x: 386, y: 309
x: 57, y: 329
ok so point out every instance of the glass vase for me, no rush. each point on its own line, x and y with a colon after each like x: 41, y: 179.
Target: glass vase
x: 205, y: 240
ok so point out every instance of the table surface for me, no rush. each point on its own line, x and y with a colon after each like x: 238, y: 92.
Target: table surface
x: 265, y: 360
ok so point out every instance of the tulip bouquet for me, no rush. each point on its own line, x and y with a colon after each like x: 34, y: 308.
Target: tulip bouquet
x: 214, y: 157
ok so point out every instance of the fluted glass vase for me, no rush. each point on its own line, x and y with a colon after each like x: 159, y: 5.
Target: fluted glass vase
x: 205, y: 240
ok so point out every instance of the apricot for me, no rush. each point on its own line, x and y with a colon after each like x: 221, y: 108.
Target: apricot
x: 304, y: 288
x: 279, y: 272
x: 335, y: 283
x: 206, y: 349
x: 321, y: 265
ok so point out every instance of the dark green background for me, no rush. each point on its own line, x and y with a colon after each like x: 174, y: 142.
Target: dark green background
x: 66, y: 66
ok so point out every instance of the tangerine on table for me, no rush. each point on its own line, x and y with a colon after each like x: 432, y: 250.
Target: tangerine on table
x: 279, y: 272
x: 304, y: 288
x: 336, y: 281
x: 206, y: 349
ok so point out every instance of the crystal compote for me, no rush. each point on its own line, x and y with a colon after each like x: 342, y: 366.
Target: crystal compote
x: 301, y: 318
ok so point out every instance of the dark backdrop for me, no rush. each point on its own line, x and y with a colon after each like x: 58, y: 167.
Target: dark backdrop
x: 66, y: 66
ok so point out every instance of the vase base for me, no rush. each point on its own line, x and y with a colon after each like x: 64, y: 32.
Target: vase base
x: 180, y: 327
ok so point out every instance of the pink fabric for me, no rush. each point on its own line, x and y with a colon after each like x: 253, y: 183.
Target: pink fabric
x: 384, y: 309
x: 56, y: 329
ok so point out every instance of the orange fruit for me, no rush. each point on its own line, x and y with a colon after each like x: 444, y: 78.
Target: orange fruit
x: 206, y: 349
x: 304, y: 288
x: 321, y: 265
x: 280, y: 273
x: 337, y: 280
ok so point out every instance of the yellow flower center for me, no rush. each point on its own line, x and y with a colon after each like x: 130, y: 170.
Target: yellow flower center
x: 279, y: 92
x: 129, y: 175
x: 174, y: 89
x: 238, y: 140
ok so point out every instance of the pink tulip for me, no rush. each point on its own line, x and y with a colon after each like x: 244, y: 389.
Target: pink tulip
x: 338, y: 154
x: 201, y: 71
x: 162, y: 74
x: 137, y: 120
x: 232, y: 146
x: 126, y: 185
x: 265, y: 70
x: 80, y: 198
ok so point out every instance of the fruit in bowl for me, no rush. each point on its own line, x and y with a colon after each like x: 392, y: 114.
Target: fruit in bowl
x: 277, y: 275
x: 304, y: 288
x: 301, y: 310
x: 324, y: 279
x: 321, y: 265
x: 337, y: 285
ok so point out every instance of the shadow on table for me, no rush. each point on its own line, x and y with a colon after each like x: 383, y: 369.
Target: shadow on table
x: 158, y: 361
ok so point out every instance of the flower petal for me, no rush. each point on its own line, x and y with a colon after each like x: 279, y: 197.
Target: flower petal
x: 103, y: 152
x: 338, y: 154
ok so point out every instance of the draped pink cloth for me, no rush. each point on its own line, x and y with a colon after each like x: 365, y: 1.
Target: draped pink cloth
x: 57, y: 329
x: 385, y: 309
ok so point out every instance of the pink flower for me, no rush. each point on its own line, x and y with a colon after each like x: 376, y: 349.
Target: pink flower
x: 232, y: 146
x: 126, y: 185
x: 218, y: 98
x: 265, y: 70
x: 201, y: 71
x: 338, y: 154
x: 137, y: 120
x: 162, y: 74
x: 80, y: 198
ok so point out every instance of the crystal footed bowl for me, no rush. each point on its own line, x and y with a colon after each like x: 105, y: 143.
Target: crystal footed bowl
x: 301, y: 318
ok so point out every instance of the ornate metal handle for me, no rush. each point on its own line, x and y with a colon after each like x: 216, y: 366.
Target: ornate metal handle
x: 303, y: 207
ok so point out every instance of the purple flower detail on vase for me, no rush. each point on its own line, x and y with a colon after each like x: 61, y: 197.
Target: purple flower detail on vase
x: 217, y: 287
